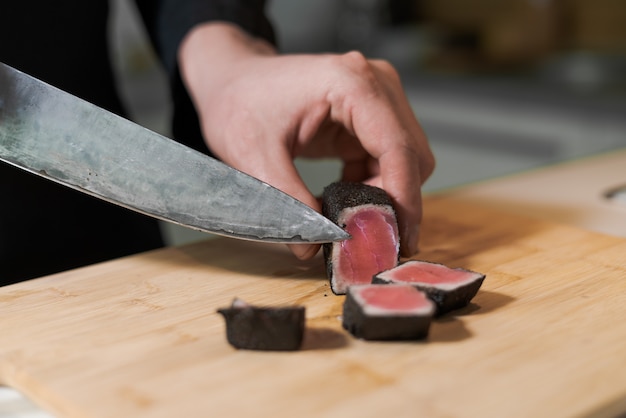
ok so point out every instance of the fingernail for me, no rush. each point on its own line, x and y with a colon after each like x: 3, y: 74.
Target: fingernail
x: 303, y: 251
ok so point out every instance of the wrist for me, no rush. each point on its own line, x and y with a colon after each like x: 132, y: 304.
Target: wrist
x: 210, y: 54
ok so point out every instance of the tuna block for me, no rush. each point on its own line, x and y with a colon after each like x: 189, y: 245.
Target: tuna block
x: 387, y: 312
x: 449, y: 288
x: 367, y: 214
x: 264, y: 328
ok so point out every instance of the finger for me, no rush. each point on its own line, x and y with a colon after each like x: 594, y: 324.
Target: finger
x: 380, y: 116
x: 280, y: 172
x: 365, y: 170
x: 355, y: 171
x: 401, y: 179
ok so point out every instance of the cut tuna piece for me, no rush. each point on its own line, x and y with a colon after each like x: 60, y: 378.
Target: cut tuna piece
x: 264, y: 328
x: 387, y: 312
x: 449, y: 288
x: 367, y: 214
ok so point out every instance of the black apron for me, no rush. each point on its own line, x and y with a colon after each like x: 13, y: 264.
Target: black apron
x: 45, y: 227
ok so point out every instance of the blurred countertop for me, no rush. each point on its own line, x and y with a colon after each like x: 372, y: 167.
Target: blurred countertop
x: 588, y: 192
x: 572, y: 192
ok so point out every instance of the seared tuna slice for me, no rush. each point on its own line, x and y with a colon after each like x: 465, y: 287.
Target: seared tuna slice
x: 367, y: 214
x: 387, y: 312
x: 264, y: 328
x: 449, y: 288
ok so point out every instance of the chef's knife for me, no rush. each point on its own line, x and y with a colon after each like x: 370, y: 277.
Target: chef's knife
x: 65, y: 139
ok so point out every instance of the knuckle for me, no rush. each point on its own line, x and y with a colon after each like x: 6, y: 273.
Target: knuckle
x: 387, y: 69
x: 421, y: 158
x: 363, y: 77
x: 355, y: 60
x: 355, y: 71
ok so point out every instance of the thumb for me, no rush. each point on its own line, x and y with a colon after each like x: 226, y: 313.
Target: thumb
x: 282, y: 174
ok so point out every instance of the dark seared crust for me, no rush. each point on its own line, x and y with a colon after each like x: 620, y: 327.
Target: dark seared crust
x: 341, y: 195
x: 446, y: 300
x: 254, y: 328
x: 392, y: 327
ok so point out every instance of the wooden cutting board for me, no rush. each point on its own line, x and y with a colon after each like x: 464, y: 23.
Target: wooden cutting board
x: 139, y: 336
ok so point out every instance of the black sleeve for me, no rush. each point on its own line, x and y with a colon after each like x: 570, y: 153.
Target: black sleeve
x: 168, y: 21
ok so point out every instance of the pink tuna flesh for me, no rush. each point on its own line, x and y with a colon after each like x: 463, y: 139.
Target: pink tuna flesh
x: 373, y: 247
x: 395, y: 299
x: 437, y: 275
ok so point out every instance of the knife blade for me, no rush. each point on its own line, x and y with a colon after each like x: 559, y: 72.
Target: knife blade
x: 53, y: 134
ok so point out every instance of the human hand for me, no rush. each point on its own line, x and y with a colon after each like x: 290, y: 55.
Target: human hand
x: 260, y: 110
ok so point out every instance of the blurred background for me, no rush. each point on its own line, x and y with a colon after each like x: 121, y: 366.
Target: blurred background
x: 499, y: 86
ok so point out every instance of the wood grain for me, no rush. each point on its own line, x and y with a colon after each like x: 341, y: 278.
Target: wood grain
x: 140, y: 336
